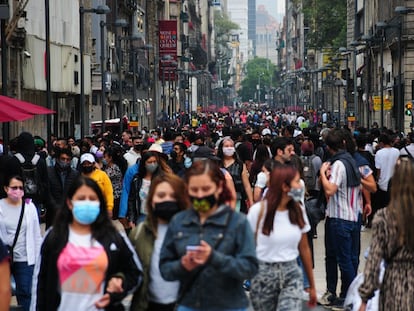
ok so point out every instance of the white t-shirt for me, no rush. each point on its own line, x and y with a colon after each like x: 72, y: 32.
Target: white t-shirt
x: 160, y: 290
x: 385, y: 160
x: 282, y: 244
x: 261, y: 180
x: 82, y: 266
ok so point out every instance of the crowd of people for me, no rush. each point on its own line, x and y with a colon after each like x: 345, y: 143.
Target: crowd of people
x: 190, y: 218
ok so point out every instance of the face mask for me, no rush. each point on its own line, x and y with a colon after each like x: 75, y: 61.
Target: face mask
x: 188, y: 162
x: 85, y: 211
x: 15, y: 195
x: 99, y: 154
x: 173, y: 155
x: 155, y: 137
x: 229, y: 151
x: 203, y: 204
x: 151, y: 167
x: 296, y: 194
x: 63, y: 165
x: 256, y: 142
x: 138, y: 147
x: 166, y: 210
x: 88, y: 169
x: 104, y: 162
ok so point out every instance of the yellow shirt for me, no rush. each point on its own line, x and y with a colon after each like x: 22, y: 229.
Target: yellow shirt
x: 102, y: 179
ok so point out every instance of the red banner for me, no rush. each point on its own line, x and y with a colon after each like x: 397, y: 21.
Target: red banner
x: 168, y: 39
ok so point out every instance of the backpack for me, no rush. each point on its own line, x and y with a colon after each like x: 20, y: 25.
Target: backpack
x: 30, y: 175
x: 309, y: 173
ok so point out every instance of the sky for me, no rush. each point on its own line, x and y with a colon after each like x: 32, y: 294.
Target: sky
x: 274, y: 7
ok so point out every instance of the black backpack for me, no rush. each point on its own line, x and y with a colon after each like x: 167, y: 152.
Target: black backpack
x: 30, y: 175
x: 309, y: 173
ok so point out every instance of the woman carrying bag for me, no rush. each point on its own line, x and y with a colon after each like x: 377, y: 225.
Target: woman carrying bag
x: 20, y: 230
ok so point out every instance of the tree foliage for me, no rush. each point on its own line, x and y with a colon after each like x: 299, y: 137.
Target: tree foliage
x: 257, y: 69
x: 326, y: 20
x: 223, y: 25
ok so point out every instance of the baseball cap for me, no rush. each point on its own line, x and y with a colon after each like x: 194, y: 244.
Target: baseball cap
x: 87, y: 157
x: 205, y: 152
x: 266, y: 131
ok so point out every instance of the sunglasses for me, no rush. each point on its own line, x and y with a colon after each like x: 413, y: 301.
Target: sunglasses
x: 16, y: 187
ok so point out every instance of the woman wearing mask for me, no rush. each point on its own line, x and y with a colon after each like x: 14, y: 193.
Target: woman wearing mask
x: 152, y: 163
x: 208, y: 248
x: 23, y: 240
x: 167, y: 196
x: 85, y: 264
x: 281, y: 225
x: 262, y: 180
x: 112, y: 166
x: 238, y: 171
x: 90, y: 169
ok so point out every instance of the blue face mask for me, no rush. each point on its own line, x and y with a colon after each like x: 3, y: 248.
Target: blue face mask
x: 296, y: 194
x: 86, y: 212
x: 188, y: 162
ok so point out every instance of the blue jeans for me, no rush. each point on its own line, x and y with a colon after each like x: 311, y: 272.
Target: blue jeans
x: 23, y: 274
x: 184, y: 308
x: 305, y: 276
x: 342, y: 247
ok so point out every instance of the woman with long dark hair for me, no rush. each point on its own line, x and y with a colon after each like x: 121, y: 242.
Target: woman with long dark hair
x: 167, y: 196
x: 85, y: 264
x: 209, y: 248
x: 281, y: 226
x: 151, y: 164
x: 393, y: 241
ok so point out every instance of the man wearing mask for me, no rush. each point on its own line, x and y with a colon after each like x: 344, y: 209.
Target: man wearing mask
x: 177, y: 159
x: 90, y: 170
x: 60, y: 176
x: 134, y: 153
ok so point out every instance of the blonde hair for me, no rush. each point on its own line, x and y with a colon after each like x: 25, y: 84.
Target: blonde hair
x: 401, y: 204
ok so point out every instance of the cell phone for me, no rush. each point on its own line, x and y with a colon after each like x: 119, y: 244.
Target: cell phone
x: 192, y: 247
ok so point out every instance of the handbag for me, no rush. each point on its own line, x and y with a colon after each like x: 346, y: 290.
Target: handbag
x: 16, y: 236
x: 316, y: 208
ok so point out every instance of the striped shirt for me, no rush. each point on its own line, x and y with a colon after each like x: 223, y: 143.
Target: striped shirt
x: 346, y: 203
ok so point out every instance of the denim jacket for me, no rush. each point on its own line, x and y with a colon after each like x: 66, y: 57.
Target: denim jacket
x: 219, y: 285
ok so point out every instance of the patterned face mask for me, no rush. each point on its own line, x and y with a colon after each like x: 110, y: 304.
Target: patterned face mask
x: 203, y: 204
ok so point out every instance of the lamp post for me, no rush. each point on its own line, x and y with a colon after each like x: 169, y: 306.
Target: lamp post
x: 381, y: 26
x: 402, y: 11
x: 146, y: 47
x: 345, y: 52
x: 100, y: 10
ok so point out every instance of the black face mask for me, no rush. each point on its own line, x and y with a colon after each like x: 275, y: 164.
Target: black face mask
x: 166, y: 210
x: 87, y: 169
x: 173, y: 155
x: 256, y: 142
x: 138, y: 147
x: 203, y: 204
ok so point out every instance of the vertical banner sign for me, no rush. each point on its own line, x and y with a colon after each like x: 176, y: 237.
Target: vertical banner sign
x: 167, y: 46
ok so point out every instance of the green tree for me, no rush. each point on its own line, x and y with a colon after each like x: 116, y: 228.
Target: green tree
x: 223, y: 27
x: 257, y: 69
x: 326, y: 20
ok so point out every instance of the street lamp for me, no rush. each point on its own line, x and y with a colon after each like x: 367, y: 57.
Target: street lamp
x: 102, y: 24
x: 146, y: 47
x: 100, y: 10
x: 402, y: 11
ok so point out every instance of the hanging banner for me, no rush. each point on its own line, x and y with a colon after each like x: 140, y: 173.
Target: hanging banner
x: 167, y: 32
x: 387, y: 103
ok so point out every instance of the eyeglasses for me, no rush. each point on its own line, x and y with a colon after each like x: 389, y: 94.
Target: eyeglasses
x: 16, y: 187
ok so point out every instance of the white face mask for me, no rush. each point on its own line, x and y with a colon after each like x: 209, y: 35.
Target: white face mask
x: 229, y: 151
